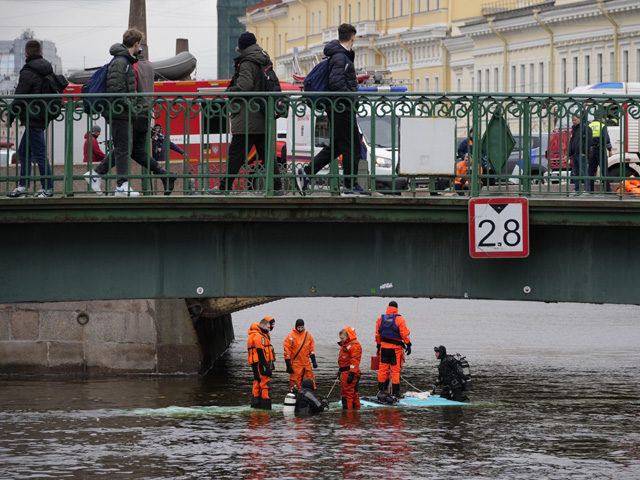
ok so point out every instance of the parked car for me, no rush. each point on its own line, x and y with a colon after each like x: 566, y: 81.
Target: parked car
x: 7, y: 154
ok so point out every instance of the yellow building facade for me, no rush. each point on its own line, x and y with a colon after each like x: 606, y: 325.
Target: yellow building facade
x: 515, y: 46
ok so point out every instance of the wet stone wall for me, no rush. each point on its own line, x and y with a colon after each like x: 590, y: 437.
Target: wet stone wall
x: 98, y: 337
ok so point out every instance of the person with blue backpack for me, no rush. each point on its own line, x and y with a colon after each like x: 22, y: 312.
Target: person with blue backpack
x: 121, y: 78
x: 341, y: 113
x: 392, y: 341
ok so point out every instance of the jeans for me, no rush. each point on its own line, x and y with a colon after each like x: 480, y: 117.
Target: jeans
x: 121, y: 140
x: 138, y: 150
x: 579, y: 168
x: 37, y: 152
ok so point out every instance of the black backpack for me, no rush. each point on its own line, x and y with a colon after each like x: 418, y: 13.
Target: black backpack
x: 52, y: 84
x: 269, y: 82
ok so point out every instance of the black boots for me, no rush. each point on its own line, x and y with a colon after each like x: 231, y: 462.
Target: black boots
x: 255, y: 402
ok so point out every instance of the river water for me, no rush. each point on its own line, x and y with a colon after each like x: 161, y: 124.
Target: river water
x: 556, y: 397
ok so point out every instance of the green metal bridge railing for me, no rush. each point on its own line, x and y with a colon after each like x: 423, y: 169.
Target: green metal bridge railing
x: 522, y: 141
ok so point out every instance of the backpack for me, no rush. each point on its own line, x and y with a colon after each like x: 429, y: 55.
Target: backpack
x: 97, y: 83
x: 53, y: 84
x: 269, y: 82
x: 317, y: 80
x: 466, y: 371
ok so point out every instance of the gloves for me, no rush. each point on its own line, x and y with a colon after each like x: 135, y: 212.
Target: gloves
x: 264, y: 369
x: 339, y: 373
x: 289, y: 369
x: 313, y: 361
x: 350, y: 377
x: 408, y: 348
x: 378, y: 349
x: 256, y: 375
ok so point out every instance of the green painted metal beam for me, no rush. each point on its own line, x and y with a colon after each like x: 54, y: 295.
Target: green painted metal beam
x: 76, y: 249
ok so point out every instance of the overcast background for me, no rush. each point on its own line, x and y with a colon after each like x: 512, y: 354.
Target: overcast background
x: 83, y: 30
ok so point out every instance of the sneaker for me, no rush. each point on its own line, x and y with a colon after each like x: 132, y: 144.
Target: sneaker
x: 172, y: 183
x: 302, y: 181
x: 18, y: 192
x: 124, y: 191
x: 42, y: 193
x: 95, y: 181
x: 215, y: 191
x: 279, y: 193
x: 349, y: 193
x: 360, y: 191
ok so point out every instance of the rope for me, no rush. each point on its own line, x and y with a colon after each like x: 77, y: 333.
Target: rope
x: 355, y: 322
x: 334, y: 384
x: 412, y: 386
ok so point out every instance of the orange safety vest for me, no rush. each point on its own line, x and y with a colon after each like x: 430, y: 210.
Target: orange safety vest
x: 259, y: 340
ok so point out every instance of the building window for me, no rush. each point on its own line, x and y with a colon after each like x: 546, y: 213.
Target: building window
x: 319, y: 21
x: 513, y: 79
x: 625, y: 66
x: 358, y: 11
x: 349, y: 13
x: 479, y: 80
x: 599, y: 68
x: 576, y: 78
x: 564, y: 75
x: 339, y: 15
x: 313, y: 23
x: 541, y: 77
x: 417, y: 84
x: 587, y: 69
x: 532, y: 78
x: 522, y: 78
x: 612, y: 68
x: 436, y: 83
x: 496, y: 79
x: 458, y: 84
x: 279, y: 45
x: 427, y: 87
x: 487, y: 80
x: 393, y: 8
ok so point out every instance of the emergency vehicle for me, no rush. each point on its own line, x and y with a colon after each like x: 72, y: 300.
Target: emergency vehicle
x: 623, y: 129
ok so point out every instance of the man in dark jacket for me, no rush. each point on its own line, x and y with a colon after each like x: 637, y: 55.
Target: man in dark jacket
x: 450, y: 376
x: 247, y: 124
x: 34, y: 116
x: 143, y: 70
x: 579, y: 143
x: 345, y: 135
x: 121, y: 78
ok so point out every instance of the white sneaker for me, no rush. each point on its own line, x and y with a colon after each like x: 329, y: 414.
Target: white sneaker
x: 95, y: 181
x: 124, y: 191
x: 19, y: 191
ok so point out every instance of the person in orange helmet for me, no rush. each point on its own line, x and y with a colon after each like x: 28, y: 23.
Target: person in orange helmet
x: 261, y: 360
x: 392, y: 337
x: 298, y: 350
x: 349, y: 372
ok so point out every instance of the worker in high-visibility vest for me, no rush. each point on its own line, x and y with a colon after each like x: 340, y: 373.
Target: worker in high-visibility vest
x: 599, y: 142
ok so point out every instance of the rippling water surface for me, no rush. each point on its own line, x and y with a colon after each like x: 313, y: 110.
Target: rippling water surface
x: 556, y: 396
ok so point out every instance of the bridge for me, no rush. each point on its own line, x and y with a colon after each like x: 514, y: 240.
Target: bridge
x: 582, y: 249
x: 254, y: 244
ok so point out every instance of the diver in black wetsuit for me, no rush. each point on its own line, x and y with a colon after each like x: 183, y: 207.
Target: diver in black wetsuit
x: 307, y: 400
x: 451, y: 378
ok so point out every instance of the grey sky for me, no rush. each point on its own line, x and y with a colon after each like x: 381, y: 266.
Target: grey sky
x: 83, y: 30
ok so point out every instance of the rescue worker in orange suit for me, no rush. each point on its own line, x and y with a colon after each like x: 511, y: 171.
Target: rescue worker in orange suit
x: 298, y: 350
x: 261, y: 360
x: 392, y: 337
x: 349, y: 372
x: 463, y: 173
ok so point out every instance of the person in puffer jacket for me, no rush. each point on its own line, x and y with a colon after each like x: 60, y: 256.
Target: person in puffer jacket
x: 345, y: 134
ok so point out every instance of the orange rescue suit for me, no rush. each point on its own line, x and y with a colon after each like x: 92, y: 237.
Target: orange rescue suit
x: 392, y: 353
x: 349, y: 363
x: 463, y: 169
x: 260, y: 352
x: 298, y: 347
x: 629, y: 187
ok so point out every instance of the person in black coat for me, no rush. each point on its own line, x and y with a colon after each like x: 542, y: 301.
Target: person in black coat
x: 581, y: 138
x: 34, y: 115
x: 345, y: 134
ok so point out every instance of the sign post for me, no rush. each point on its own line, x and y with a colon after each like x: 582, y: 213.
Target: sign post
x: 499, y: 228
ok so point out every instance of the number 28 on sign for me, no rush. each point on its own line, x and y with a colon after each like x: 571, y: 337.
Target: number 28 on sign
x: 498, y: 227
